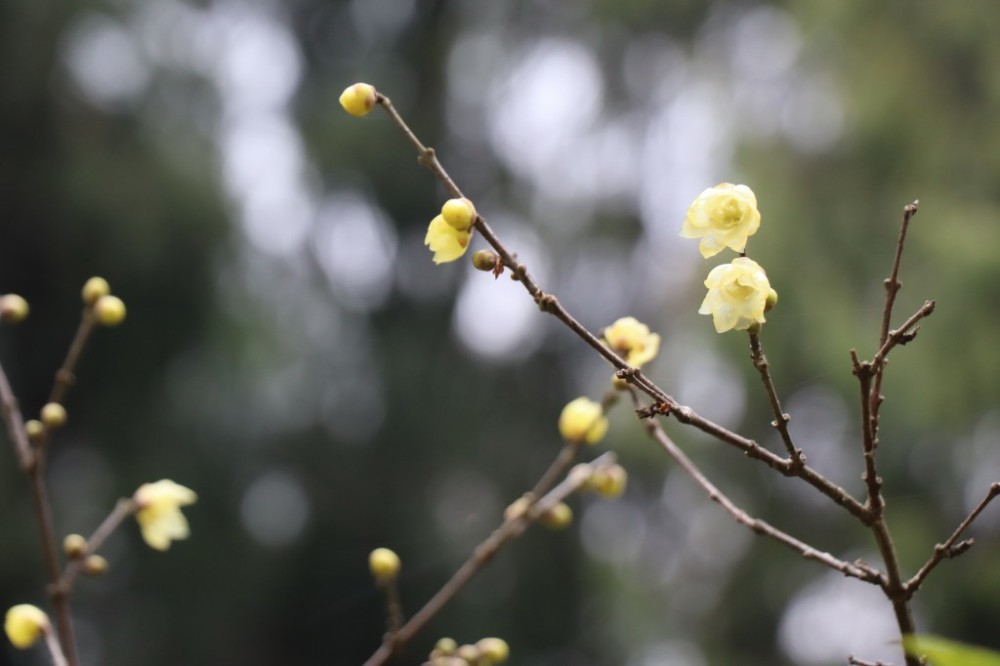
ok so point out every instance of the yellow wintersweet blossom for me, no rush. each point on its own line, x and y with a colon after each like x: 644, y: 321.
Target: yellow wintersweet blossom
x: 445, y: 241
x: 359, y: 99
x: 25, y: 624
x: 722, y: 216
x: 158, y: 510
x: 737, y: 295
x: 459, y: 213
x: 582, y: 420
x: 631, y: 338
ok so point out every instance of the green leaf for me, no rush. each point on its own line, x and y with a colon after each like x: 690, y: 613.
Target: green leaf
x: 942, y: 652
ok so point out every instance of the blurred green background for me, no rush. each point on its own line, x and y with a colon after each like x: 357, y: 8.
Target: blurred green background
x: 293, y: 355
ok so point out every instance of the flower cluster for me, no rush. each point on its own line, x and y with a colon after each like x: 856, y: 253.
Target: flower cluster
x: 738, y: 292
x: 449, y: 233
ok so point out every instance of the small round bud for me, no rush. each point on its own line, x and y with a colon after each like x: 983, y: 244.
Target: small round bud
x: 74, y: 545
x: 484, y: 260
x: 359, y: 99
x: 771, y: 300
x: 469, y: 653
x: 493, y: 650
x: 109, y: 311
x: 558, y: 517
x: 35, y: 429
x: 93, y: 289
x: 444, y: 647
x: 516, y: 509
x: 13, y: 309
x: 95, y: 565
x: 582, y: 420
x: 459, y: 213
x: 384, y: 564
x: 53, y: 416
x: 609, y: 481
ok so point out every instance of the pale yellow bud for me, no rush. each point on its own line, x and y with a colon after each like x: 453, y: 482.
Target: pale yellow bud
x: 459, y: 213
x: 582, y: 420
x: 384, y: 564
x: 493, y: 650
x: 109, y: 311
x: 93, y: 289
x: 13, y: 309
x: 25, y: 624
x: 53, y: 415
x: 558, y: 517
x: 74, y: 545
x: 359, y: 99
x: 95, y: 565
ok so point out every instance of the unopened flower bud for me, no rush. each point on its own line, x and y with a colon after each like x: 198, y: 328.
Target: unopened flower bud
x: 444, y: 647
x: 35, y: 429
x: 25, y: 624
x: 493, y: 650
x: 74, y: 545
x: 771, y: 300
x: 558, y: 517
x: 484, y: 260
x: 459, y: 213
x: 95, y: 565
x: 53, y: 415
x: 359, y: 99
x: 93, y: 289
x: 609, y: 481
x: 13, y: 308
x: 468, y: 653
x: 109, y: 311
x: 582, y: 420
x: 384, y: 564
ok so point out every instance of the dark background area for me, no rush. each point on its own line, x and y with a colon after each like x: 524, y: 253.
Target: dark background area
x: 292, y: 354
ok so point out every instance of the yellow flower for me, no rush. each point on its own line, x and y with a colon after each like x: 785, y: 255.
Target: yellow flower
x: 582, y: 420
x: 722, y: 216
x: 737, y: 295
x: 445, y: 241
x: 359, y: 99
x: 158, y: 510
x: 631, y: 338
x: 459, y: 213
x: 25, y: 624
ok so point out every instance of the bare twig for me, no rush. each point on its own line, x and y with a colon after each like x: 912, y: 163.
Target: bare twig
x: 781, y: 419
x: 873, y: 507
x: 15, y: 425
x: 903, y: 334
x: 857, y: 570
x: 123, y: 509
x: 64, y: 375
x: 952, y: 547
x: 510, y: 529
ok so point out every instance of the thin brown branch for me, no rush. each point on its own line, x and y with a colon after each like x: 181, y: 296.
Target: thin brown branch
x: 665, y: 403
x: 857, y: 570
x: 902, y: 335
x: 952, y: 547
x: 123, y: 509
x: 510, y: 529
x: 892, y: 283
x: 15, y: 425
x: 65, y: 378
x: 781, y: 419
x: 863, y: 371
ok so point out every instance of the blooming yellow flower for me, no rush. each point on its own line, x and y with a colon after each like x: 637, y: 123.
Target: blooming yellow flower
x: 359, y: 99
x: 158, y: 510
x: 445, y: 241
x: 722, y: 216
x: 737, y: 294
x: 582, y: 420
x: 631, y: 338
x: 25, y: 624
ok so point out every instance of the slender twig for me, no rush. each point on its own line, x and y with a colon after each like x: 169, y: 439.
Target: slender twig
x: 863, y: 371
x: 781, y: 419
x: 951, y: 547
x: 511, y: 528
x: 65, y: 378
x: 666, y: 404
x: 123, y: 509
x: 393, y: 609
x: 857, y: 570
x: 566, y: 456
x: 903, y: 334
x: 15, y: 425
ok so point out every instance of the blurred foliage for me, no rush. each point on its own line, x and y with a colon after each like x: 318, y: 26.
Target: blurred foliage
x: 319, y: 417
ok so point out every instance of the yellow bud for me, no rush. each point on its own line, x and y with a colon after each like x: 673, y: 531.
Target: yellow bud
x: 93, y: 289
x: 444, y: 647
x: 609, y: 481
x: 494, y: 650
x: 13, y: 309
x: 516, y: 509
x: 95, y: 565
x: 109, y: 311
x: 53, y: 415
x: 25, y: 624
x: 484, y: 260
x: 558, y: 517
x: 771, y: 300
x: 459, y: 213
x: 384, y: 564
x: 35, y: 429
x: 359, y: 99
x: 74, y: 545
x: 582, y: 420
x: 469, y: 653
